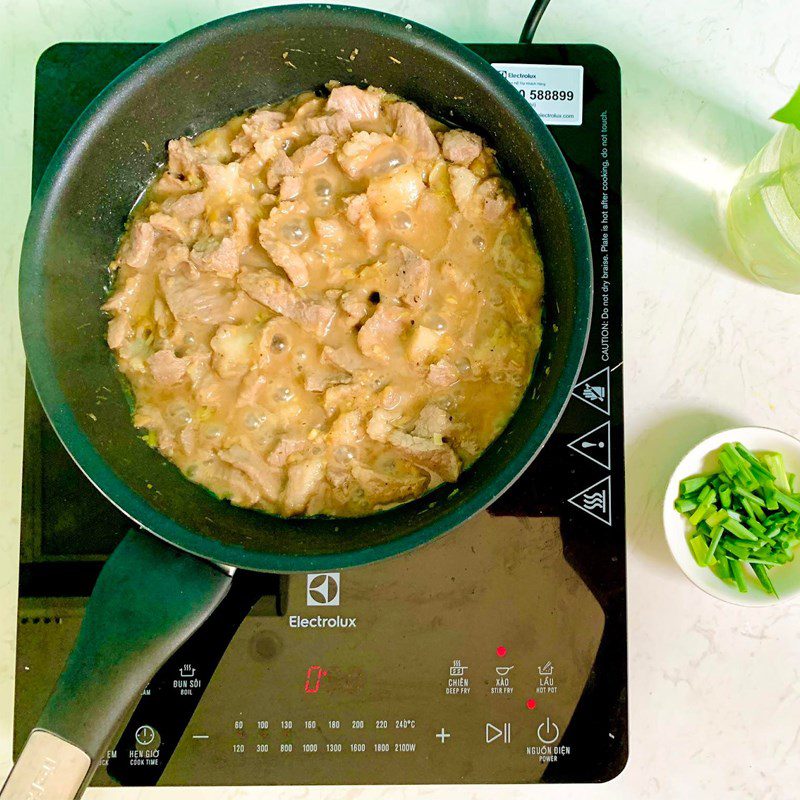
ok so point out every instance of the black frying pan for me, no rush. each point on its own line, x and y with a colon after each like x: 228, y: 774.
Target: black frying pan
x: 156, y: 590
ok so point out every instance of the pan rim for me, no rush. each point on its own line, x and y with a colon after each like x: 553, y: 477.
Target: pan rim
x: 42, y: 369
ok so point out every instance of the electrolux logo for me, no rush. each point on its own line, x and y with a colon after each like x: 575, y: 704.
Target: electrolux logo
x: 296, y: 621
x: 323, y: 589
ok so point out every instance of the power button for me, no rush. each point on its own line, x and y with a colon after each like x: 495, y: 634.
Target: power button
x: 548, y: 731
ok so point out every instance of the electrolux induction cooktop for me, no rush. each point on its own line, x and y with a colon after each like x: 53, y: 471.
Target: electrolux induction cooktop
x: 496, y: 654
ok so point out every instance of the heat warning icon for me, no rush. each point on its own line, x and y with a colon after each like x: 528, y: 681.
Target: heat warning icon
x: 595, y: 500
x: 323, y: 589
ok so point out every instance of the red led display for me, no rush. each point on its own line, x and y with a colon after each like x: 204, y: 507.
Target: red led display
x: 501, y: 651
x: 314, y: 676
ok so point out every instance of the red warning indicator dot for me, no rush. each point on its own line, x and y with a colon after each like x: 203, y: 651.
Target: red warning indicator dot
x: 501, y: 651
x: 530, y: 703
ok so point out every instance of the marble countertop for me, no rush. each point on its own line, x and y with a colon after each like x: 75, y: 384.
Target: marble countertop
x: 714, y: 689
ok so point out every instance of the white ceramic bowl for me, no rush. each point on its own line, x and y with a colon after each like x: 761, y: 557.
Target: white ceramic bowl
x: 703, y: 458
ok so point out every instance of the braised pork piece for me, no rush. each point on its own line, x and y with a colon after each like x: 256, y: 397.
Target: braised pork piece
x: 328, y: 306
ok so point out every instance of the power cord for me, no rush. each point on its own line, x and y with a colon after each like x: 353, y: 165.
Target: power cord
x: 532, y: 22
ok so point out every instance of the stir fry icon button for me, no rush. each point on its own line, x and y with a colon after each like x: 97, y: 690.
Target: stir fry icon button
x: 502, y: 683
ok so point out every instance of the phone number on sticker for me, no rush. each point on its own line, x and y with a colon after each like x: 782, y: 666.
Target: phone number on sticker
x: 547, y: 94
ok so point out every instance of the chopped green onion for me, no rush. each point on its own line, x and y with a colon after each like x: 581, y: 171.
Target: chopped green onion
x: 763, y: 579
x: 751, y: 514
x: 699, y: 549
x: 728, y: 465
x: 761, y: 473
x: 769, y: 498
x: 738, y: 575
x: 735, y: 548
x: 749, y: 496
x: 734, y: 455
x: 789, y: 503
x: 701, y: 510
x: 722, y: 568
x: 746, y: 454
x: 774, y: 463
x: 691, y: 485
x: 716, y: 535
x: 717, y: 517
x: 746, y: 513
x: 738, y: 529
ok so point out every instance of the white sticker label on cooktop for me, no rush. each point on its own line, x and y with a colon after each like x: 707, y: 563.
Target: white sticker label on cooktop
x: 554, y: 90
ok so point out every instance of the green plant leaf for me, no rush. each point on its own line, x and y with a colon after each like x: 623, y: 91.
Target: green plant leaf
x: 790, y: 113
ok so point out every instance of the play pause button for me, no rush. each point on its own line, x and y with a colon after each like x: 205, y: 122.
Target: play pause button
x: 493, y: 733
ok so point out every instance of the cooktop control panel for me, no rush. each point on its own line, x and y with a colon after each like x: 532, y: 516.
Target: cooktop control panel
x: 463, y: 661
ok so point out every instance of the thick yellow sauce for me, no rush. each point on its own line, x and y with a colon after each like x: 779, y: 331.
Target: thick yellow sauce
x: 329, y: 306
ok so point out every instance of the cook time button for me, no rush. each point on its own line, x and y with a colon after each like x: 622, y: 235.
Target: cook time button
x: 146, y: 753
x: 146, y: 736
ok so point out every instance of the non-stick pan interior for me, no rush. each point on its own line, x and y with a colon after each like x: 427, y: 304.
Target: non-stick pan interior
x: 194, y: 83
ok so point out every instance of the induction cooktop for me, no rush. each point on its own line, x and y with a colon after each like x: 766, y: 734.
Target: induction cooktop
x: 496, y: 654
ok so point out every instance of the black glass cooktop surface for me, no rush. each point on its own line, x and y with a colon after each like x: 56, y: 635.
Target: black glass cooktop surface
x: 497, y: 654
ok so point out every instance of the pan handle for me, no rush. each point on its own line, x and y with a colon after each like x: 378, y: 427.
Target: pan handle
x: 149, y: 598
